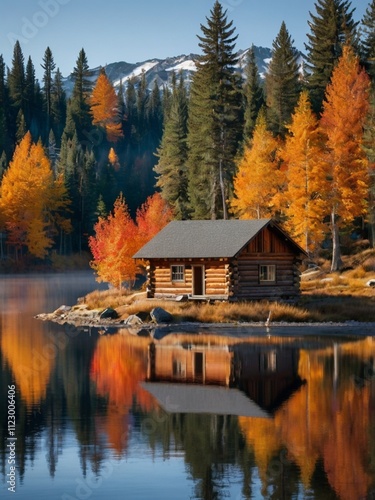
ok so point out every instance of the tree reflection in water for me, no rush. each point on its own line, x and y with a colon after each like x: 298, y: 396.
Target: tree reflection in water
x: 296, y: 414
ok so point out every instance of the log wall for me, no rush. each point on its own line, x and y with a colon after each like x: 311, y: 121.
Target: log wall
x: 236, y: 278
x: 216, y: 278
x: 245, y: 284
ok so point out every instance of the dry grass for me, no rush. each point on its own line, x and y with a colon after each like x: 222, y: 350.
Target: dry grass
x: 221, y: 312
x: 325, y: 297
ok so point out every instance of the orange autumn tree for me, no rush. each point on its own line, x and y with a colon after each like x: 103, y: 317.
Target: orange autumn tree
x: 258, y: 177
x: 113, y: 159
x: 31, y: 200
x: 117, y: 238
x: 305, y: 175
x: 154, y: 214
x: 345, y: 109
x: 104, y: 108
x: 113, y: 246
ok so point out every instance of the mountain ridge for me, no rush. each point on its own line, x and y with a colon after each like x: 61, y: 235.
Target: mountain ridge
x: 161, y: 69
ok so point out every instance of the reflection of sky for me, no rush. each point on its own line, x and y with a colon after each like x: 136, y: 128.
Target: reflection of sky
x: 141, y: 474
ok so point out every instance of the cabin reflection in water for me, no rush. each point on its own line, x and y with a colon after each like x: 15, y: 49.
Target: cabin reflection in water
x: 201, y: 376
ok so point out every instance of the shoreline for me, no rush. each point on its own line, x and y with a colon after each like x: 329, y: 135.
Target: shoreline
x: 92, y: 318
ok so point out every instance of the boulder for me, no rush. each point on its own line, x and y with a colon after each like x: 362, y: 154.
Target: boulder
x: 145, y: 316
x: 160, y: 315
x: 62, y: 310
x: 109, y: 313
x: 133, y: 320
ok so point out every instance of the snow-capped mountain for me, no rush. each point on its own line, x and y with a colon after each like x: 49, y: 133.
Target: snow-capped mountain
x: 161, y: 69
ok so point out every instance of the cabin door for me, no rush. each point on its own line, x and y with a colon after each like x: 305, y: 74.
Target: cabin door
x: 198, y: 367
x: 198, y: 280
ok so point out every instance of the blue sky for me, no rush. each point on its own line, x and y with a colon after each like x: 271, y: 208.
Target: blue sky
x: 132, y: 31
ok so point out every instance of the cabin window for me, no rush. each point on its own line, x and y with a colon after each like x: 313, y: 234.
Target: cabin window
x: 178, y: 273
x: 267, y: 273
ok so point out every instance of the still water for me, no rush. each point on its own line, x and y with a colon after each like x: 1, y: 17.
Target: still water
x: 256, y: 414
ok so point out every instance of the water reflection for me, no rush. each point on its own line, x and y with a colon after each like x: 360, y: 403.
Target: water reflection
x: 202, y: 415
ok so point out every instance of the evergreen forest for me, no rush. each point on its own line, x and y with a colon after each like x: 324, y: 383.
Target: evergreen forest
x: 297, y: 145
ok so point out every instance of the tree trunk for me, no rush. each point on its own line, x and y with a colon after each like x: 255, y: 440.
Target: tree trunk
x: 336, y: 250
x: 222, y: 189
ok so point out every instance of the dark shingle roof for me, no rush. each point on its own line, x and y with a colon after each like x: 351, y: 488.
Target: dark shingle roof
x: 201, y: 239
x: 184, y: 398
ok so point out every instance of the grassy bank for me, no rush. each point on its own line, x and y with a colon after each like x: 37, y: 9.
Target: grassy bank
x: 325, y: 297
x: 312, y: 307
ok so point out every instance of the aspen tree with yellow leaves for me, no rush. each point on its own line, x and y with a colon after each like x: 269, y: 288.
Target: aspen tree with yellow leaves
x: 345, y: 109
x: 32, y: 201
x: 302, y: 154
x: 258, y: 178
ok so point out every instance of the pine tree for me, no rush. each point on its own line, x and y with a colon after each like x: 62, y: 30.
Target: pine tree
x: 154, y: 116
x: 80, y: 95
x: 3, y: 164
x: 49, y: 68
x: 368, y: 39
x: 131, y: 113
x: 142, y: 101
x: 17, y: 78
x: 302, y: 154
x: 171, y: 167
x: 5, y: 141
x: 253, y: 93
x: 282, y: 82
x: 258, y: 178
x: 369, y: 148
x: 30, y: 111
x: 215, y: 119
x: 21, y: 126
x: 345, y: 109
x: 58, y: 106
x: 331, y: 27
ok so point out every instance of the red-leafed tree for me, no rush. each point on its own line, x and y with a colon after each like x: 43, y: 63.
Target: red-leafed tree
x: 153, y: 215
x: 113, y: 246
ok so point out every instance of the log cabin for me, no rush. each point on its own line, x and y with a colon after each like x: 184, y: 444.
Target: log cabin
x: 223, y: 260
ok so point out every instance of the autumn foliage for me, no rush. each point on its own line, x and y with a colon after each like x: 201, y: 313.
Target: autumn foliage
x: 302, y: 154
x: 316, y: 181
x: 117, y: 238
x: 104, y: 108
x: 258, y: 177
x: 31, y: 200
x: 345, y: 110
x: 113, y: 245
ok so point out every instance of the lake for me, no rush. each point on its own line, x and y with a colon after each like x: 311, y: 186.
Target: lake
x: 241, y: 413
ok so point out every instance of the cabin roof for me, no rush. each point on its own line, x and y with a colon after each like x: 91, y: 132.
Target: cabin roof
x: 204, y: 239
x: 185, y: 398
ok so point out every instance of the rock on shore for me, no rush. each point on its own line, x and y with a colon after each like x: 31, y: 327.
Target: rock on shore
x: 81, y: 315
